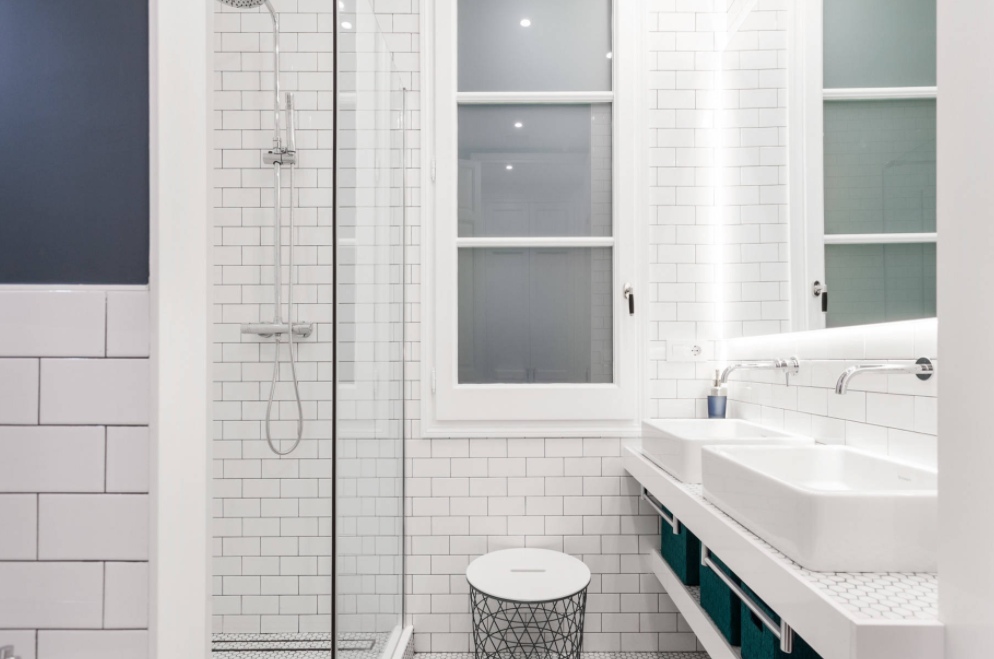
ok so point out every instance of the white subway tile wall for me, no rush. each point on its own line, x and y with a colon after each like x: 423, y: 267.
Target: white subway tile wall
x: 55, y: 323
x: 272, y: 549
x: 107, y: 644
x: 19, y: 391
x: 888, y: 414
x: 75, y: 548
x: 469, y: 496
x: 717, y: 187
x: 92, y: 391
x: 272, y: 516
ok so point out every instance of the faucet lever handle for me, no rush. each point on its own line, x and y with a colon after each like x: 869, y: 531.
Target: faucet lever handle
x: 791, y: 367
x: 7, y: 652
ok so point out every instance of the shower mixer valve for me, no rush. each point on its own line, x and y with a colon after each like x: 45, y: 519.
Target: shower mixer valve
x: 280, y: 156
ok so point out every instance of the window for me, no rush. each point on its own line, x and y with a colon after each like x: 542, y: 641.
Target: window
x: 527, y: 328
x: 869, y: 163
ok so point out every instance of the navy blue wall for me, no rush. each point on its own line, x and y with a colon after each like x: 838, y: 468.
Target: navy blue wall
x: 74, y: 141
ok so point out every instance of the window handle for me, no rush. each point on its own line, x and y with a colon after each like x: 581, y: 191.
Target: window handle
x: 822, y: 290
x: 630, y: 296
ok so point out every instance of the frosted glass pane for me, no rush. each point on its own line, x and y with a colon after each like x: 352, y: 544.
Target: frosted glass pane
x: 879, y: 283
x: 522, y: 45
x: 880, y: 166
x: 879, y: 43
x: 535, y: 315
x: 535, y: 170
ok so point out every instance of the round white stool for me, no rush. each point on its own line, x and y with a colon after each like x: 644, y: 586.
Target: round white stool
x: 527, y: 603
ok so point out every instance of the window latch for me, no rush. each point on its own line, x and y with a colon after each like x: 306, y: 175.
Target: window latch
x: 822, y: 290
x: 629, y: 292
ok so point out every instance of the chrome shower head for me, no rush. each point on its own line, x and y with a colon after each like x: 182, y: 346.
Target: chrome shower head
x: 243, y: 4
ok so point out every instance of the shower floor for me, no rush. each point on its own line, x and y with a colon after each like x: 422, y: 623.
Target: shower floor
x: 583, y: 655
x: 365, y: 646
x: 297, y: 646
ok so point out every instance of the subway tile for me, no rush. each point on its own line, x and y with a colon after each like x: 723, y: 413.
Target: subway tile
x: 23, y: 641
x: 890, y: 410
x: 18, y: 391
x: 926, y: 415
x: 93, y: 527
x: 51, y: 595
x: 52, y: 324
x: 127, y: 324
x: 93, y: 644
x: 127, y: 459
x: 126, y: 593
x: 95, y: 391
x: 48, y: 459
x: 19, y: 524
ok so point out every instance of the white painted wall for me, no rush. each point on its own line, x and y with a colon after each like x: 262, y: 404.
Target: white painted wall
x: 966, y: 269
x: 179, y: 265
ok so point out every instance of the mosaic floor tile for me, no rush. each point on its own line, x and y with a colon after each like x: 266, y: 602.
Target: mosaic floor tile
x: 296, y: 646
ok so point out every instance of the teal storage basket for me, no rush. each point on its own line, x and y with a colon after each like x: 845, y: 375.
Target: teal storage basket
x: 682, y: 551
x: 758, y: 642
x: 720, y: 603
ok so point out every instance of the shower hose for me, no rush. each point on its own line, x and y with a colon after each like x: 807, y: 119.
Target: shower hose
x: 289, y: 333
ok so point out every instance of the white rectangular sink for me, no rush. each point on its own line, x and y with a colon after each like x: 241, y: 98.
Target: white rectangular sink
x: 675, y: 444
x: 829, y: 508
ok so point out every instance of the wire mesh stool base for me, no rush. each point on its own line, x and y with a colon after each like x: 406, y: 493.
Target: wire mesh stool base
x: 505, y: 629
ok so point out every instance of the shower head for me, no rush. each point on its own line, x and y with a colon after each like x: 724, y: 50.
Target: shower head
x: 243, y: 4
x: 249, y: 4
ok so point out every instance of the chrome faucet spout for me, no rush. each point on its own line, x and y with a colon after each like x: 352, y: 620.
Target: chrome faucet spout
x: 923, y: 368
x: 789, y: 366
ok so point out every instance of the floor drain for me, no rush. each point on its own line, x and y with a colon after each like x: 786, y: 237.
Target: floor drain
x: 356, y: 645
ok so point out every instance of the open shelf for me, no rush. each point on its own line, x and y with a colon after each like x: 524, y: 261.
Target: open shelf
x: 841, y: 615
x: 688, y: 600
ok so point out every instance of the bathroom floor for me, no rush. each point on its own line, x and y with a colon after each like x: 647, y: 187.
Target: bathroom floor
x: 297, y: 646
x: 365, y: 646
x: 584, y: 655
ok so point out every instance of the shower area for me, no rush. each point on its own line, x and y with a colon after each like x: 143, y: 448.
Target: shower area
x: 310, y: 120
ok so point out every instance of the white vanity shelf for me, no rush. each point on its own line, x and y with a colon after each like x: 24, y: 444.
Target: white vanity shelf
x: 841, y: 615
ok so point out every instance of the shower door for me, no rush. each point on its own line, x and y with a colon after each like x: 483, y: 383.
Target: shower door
x: 308, y: 546
x: 370, y: 321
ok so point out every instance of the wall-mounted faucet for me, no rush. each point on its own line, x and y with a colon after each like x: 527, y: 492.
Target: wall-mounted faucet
x: 789, y: 366
x: 922, y: 368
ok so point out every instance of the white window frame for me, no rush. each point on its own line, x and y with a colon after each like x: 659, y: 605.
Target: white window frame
x: 807, y: 96
x: 450, y: 409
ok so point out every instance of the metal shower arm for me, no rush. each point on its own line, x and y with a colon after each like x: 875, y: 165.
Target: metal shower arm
x: 277, y: 142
